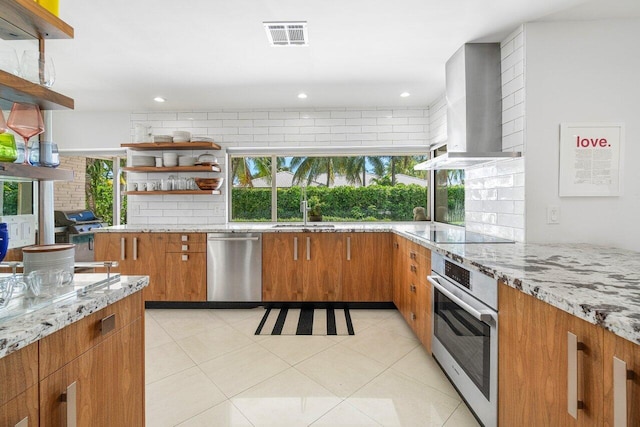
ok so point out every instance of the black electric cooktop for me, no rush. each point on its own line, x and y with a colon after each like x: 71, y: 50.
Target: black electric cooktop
x: 458, y: 236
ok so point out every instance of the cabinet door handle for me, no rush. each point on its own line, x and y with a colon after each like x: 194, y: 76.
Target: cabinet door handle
x: 573, y: 401
x: 308, y: 248
x: 295, y: 248
x: 413, y: 316
x: 185, y: 257
x: 69, y: 397
x: 122, y: 251
x: 412, y: 255
x: 396, y: 245
x: 348, y: 248
x: 135, y: 248
x: 23, y: 422
x: 108, y: 324
x: 413, y: 268
x: 620, y: 377
x: 185, y: 247
x: 184, y: 238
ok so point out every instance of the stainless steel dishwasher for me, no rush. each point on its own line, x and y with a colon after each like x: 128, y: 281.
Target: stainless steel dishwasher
x: 234, y: 267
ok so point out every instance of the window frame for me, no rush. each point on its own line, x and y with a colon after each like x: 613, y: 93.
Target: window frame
x: 331, y: 151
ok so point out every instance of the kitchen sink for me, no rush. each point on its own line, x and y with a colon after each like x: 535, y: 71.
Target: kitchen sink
x: 304, y: 226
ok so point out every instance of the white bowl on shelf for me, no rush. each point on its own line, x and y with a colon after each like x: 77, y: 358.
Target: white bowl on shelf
x: 186, y: 161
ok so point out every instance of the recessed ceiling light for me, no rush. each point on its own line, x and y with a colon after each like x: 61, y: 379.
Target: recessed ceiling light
x: 159, y: 99
x: 302, y: 95
x: 405, y: 94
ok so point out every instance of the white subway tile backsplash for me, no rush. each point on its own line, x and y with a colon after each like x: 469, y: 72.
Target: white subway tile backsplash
x: 393, y: 121
x: 237, y: 123
x: 514, y: 85
x: 268, y: 123
x: 377, y: 113
x: 361, y: 122
x: 316, y: 129
x: 408, y: 113
x: 408, y: 128
x: 222, y: 116
x: 346, y: 114
x: 299, y: 122
x: 162, y: 116
x: 253, y: 115
x: 346, y: 129
x: 330, y: 122
x: 193, y: 115
x: 253, y: 131
x: 284, y: 115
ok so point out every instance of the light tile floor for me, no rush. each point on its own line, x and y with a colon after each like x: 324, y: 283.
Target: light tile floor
x: 207, y: 368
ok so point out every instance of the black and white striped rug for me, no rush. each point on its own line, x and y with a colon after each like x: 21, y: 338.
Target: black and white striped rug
x: 305, y: 321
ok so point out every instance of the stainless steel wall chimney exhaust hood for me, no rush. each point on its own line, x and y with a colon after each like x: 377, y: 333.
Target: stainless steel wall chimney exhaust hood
x: 474, y: 109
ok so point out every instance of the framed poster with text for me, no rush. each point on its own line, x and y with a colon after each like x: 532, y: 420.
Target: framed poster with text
x: 591, y: 157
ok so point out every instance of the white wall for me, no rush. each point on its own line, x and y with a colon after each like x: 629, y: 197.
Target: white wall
x: 273, y: 128
x: 581, y: 72
x: 90, y: 130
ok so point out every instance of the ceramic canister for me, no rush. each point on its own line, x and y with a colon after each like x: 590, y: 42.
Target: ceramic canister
x: 50, y: 257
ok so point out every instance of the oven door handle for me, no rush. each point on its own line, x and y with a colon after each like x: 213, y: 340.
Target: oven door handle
x: 483, y: 316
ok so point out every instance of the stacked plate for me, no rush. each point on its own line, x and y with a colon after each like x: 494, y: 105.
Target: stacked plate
x: 143, y: 161
x: 186, y: 161
x: 207, y: 159
x: 181, y: 136
x: 162, y: 138
x: 201, y: 138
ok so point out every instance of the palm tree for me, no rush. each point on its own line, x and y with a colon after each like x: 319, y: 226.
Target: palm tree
x: 355, y: 168
x: 245, y: 169
x: 307, y: 169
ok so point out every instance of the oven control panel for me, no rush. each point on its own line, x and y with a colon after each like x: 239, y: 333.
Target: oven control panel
x: 458, y: 274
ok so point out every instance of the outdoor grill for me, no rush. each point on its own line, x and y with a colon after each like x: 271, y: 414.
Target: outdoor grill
x: 78, y: 227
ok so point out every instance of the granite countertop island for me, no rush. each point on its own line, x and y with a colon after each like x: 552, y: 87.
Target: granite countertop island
x: 88, y: 293
x: 595, y: 283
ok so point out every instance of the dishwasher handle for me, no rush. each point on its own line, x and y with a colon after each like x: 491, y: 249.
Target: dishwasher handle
x: 232, y: 239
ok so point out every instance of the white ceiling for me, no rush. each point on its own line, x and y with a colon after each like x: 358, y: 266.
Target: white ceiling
x: 207, y: 54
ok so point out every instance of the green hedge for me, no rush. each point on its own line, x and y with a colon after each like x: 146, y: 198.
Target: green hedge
x: 373, y: 203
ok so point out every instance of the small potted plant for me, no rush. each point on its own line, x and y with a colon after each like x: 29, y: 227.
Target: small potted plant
x: 315, y: 209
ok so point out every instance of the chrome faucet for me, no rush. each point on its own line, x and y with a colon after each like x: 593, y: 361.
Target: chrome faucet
x: 304, y: 206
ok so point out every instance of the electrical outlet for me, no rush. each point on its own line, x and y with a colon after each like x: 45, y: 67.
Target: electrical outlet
x: 553, y: 214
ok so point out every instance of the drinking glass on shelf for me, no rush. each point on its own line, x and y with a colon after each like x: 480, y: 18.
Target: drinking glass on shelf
x: 37, y: 69
x: 26, y: 121
x: 3, y: 123
x: 9, y: 59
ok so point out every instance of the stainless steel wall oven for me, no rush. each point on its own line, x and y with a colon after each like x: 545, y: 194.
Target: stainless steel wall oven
x: 465, y: 333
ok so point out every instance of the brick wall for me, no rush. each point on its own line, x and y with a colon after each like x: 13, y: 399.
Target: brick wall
x: 71, y: 195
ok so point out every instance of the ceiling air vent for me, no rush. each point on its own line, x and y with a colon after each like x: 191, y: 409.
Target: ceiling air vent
x: 287, y: 33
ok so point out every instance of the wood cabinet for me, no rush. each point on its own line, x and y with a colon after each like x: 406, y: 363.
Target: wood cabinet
x: 98, y: 379
x: 19, y: 387
x: 137, y: 254
x: 533, y: 363
x: 322, y: 267
x: 352, y: 267
x: 367, y: 267
x: 90, y: 372
x: 282, y: 267
x: 621, y: 381
x: 411, y: 290
x: 186, y: 267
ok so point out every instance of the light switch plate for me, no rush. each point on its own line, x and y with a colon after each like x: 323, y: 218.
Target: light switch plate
x: 553, y: 214
x: 22, y: 230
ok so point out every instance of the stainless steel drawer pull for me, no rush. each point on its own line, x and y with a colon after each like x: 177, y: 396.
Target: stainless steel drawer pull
x: 185, y: 247
x: 308, y: 248
x: 413, y: 316
x: 620, y: 377
x: 184, y: 238
x: 108, y: 324
x: 573, y: 401
x: 295, y: 248
x: 348, y: 248
x: 69, y: 397
x: 185, y: 257
x: 122, y: 252
x: 23, y: 422
x: 135, y: 248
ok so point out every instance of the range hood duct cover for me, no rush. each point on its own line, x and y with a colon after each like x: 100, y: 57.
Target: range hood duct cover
x: 474, y: 109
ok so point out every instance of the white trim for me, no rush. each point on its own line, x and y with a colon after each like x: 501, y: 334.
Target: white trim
x: 329, y: 150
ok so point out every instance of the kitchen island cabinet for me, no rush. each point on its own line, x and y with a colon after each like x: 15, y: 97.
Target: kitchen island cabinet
x: 19, y: 391
x: 533, y: 363
x: 621, y: 387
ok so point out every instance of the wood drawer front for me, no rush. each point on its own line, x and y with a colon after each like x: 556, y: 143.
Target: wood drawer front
x: 59, y: 348
x: 187, y: 238
x: 173, y: 247
x: 18, y: 372
x: 419, y: 265
x: 25, y: 405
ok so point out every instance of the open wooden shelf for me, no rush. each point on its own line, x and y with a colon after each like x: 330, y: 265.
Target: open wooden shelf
x: 16, y: 89
x: 33, y: 173
x: 171, y: 146
x: 26, y: 19
x: 152, y: 169
x: 174, y: 192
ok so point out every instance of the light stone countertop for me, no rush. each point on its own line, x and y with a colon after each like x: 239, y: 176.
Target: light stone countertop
x: 598, y: 284
x: 21, y: 330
